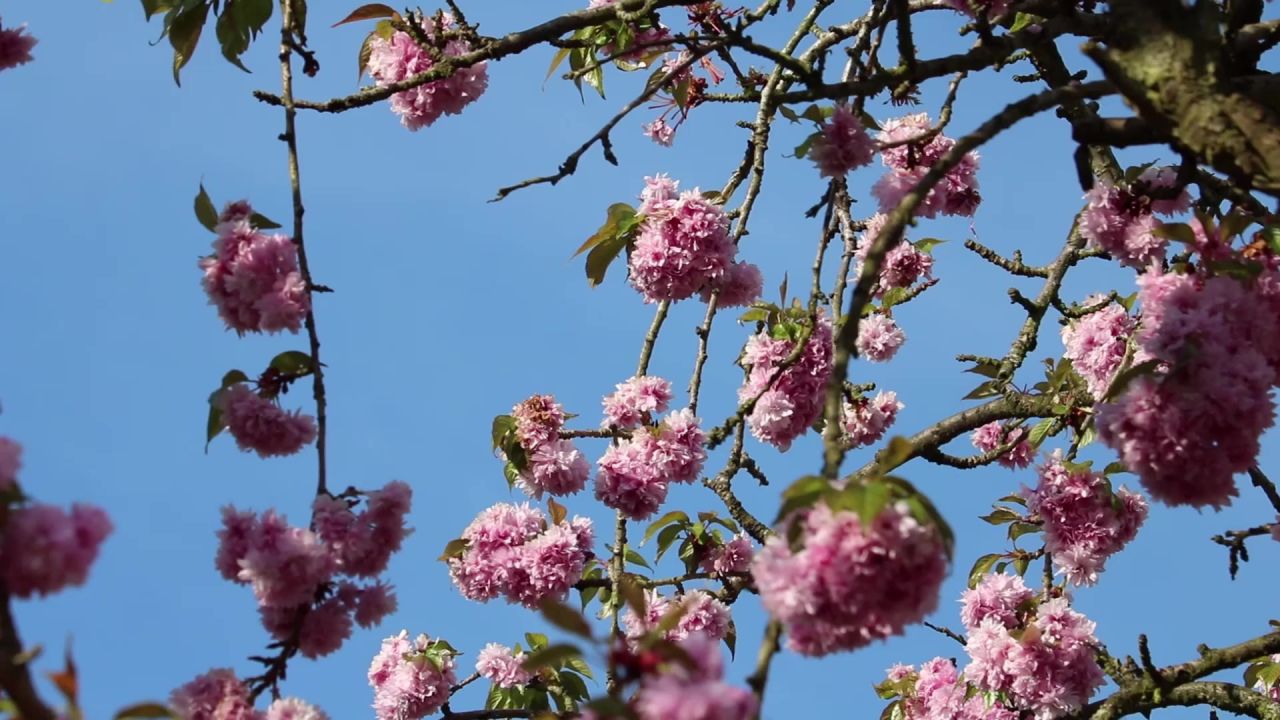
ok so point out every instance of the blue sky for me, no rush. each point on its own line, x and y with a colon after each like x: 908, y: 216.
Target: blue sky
x: 448, y: 310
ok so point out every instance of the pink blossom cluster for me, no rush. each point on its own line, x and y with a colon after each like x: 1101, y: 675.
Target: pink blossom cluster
x: 553, y: 465
x: 15, y: 47
x: 1120, y: 219
x: 741, y: 285
x: 1096, y: 344
x: 850, y: 584
x: 683, y: 247
x: 1187, y: 428
x: 407, y: 683
x: 994, y: 435
x: 634, y: 474
x: 701, y: 613
x: 44, y: 549
x: 842, y: 144
x: 219, y: 695
x: 1000, y: 596
x: 955, y: 194
x: 1084, y: 522
x: 879, y: 337
x: 732, y: 557
x: 10, y: 463
x: 696, y: 691
x: 865, y: 420
x: 635, y: 401
x: 938, y: 692
x: 902, y: 267
x: 260, y: 425
x: 502, y: 666
x: 790, y: 404
x: 1045, y: 664
x: 294, y: 571
x: 511, y: 551
x: 400, y: 57
x: 252, y: 277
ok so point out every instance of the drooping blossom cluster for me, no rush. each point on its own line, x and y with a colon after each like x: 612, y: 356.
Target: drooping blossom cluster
x: 865, y: 420
x: 408, y: 681
x: 790, y: 404
x: 260, y: 425
x: 731, y: 557
x: 502, y: 666
x: 44, y: 548
x: 15, y: 47
x: 694, y: 691
x: 841, y: 145
x: 1096, y: 344
x: 1189, y: 426
x: 681, y: 89
x: 955, y: 194
x: 993, y: 435
x: 683, y: 247
x: 636, y: 400
x: 879, y: 337
x: 510, y: 550
x: 903, y: 265
x: 253, y: 277
x: 294, y: 571
x: 552, y: 464
x: 1120, y: 218
x: 634, y: 474
x: 1043, y: 659
x: 219, y: 695
x: 400, y: 57
x: 1084, y: 521
x: 938, y: 692
x: 10, y: 463
x: 850, y: 584
x: 701, y: 613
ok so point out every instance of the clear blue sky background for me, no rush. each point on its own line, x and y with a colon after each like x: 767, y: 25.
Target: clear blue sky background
x: 448, y: 310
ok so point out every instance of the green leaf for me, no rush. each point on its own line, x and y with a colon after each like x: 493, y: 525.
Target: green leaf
x: 616, y: 218
x: 803, y: 148
x: 565, y: 617
x: 981, y: 567
x: 1181, y: 232
x: 552, y: 656
x: 898, y: 451
x: 184, y: 35
x: 454, y: 548
x: 1018, y: 529
x: 504, y: 426
x: 1022, y: 21
x: 927, y: 245
x: 985, y: 370
x: 668, y: 536
x: 232, y: 377
x: 1000, y: 516
x: 1122, y: 381
x: 233, y: 35
x: 262, y: 222
x: 991, y: 388
x: 1115, y: 467
x: 153, y: 7
x: 788, y: 113
x: 731, y: 639
x: 145, y: 710
x: 581, y: 667
x: 556, y: 60
x: 675, y: 516
x: 801, y: 494
x: 206, y: 213
x: 1271, y: 234
x: 368, y: 12
x: 632, y: 594
x: 536, y: 641
x: 1020, y: 563
x: 292, y: 362
x: 557, y: 511
x: 635, y: 558
x: 1041, y: 431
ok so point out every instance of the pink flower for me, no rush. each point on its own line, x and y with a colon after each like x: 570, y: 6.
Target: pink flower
x: 511, y: 551
x: 994, y: 435
x: 216, y: 695
x: 634, y: 401
x: 701, y: 613
x: 373, y: 603
x: 324, y: 628
x: 1050, y: 669
x: 44, y: 549
x: 681, y: 248
x: 740, y: 286
x: 879, y: 338
x: 15, y: 47
x: 401, y: 58
x: 1119, y: 219
x: 732, y: 557
x: 538, y: 420
x: 409, y: 680
x: 660, y: 132
x: 10, y: 463
x: 504, y: 667
x: 938, y: 692
x: 634, y: 474
x: 294, y: 709
x: 867, y: 419
x: 260, y: 425
x: 363, y: 542
x: 910, y: 158
x: 850, y: 584
x: 556, y: 467
x: 999, y: 596
x: 842, y: 144
x: 253, y: 278
x: 284, y: 564
x: 1096, y: 344
x: 1084, y: 522
x: 697, y: 693
x: 790, y: 403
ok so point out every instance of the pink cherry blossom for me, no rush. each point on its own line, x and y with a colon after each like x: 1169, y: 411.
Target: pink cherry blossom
x: 994, y: 435
x: 253, y: 278
x: 557, y: 467
x: 284, y: 564
x: 400, y: 58
x: 216, y: 695
x: 294, y: 709
x: 634, y: 474
x: 732, y: 557
x: 660, y: 132
x: 955, y: 194
x: 1096, y: 344
x: 1119, y: 220
x: 15, y: 47
x: 502, y: 666
x: 999, y: 596
x: 790, y: 403
x: 740, y: 286
x: 694, y: 693
x: 850, y: 584
x: 44, y: 549
x: 700, y: 613
x: 867, y: 419
x: 406, y: 683
x: 681, y: 247
x: 261, y: 425
x: 842, y: 144
x: 539, y: 419
x: 636, y: 400
x: 879, y: 338
x: 938, y: 692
